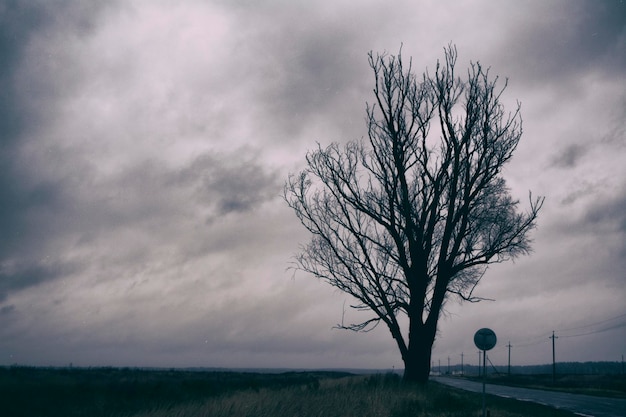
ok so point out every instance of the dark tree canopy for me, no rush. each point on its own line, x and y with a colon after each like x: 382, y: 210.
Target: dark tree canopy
x: 418, y: 210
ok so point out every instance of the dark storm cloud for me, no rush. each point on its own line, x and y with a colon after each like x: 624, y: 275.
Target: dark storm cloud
x: 19, y: 277
x: 606, y: 218
x: 34, y: 213
x: 20, y: 23
x: 312, y: 67
x: 28, y: 204
x: 235, y: 184
x: 570, y: 156
x: 583, y: 190
x: 6, y: 309
x: 219, y: 183
x: 610, y: 214
x: 598, y: 38
x: 565, y: 39
x: 20, y: 205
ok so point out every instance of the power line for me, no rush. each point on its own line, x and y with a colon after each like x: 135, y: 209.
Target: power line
x: 617, y: 326
x: 533, y: 341
x: 542, y: 338
x: 594, y: 324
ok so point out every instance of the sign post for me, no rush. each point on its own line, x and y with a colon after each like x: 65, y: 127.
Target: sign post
x: 485, y: 339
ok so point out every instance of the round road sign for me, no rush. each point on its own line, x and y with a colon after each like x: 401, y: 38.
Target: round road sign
x: 485, y: 339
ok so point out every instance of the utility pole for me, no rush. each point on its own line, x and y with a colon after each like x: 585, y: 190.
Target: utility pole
x: 509, y: 368
x: 448, y: 365
x: 484, y: 380
x: 462, y: 373
x: 439, y: 366
x: 553, y: 337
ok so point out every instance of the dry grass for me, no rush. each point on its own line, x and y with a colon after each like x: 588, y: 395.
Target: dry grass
x: 371, y: 396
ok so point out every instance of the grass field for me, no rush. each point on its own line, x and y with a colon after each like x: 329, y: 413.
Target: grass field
x: 37, y: 392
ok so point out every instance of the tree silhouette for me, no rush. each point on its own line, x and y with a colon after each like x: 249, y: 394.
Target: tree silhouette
x: 417, y: 211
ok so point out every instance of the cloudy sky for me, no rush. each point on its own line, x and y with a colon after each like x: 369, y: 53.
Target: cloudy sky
x: 144, y: 146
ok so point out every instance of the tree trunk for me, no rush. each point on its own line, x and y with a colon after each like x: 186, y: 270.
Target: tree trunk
x: 417, y: 362
x: 418, y: 357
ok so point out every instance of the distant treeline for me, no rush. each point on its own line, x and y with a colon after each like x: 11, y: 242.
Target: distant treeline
x: 580, y: 368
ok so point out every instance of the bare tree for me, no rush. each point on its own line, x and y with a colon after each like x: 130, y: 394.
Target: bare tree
x: 415, y: 213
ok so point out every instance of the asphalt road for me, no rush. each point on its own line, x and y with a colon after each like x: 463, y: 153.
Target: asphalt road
x: 581, y: 404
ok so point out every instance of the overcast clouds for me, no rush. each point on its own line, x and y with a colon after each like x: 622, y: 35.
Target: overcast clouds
x: 144, y: 146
